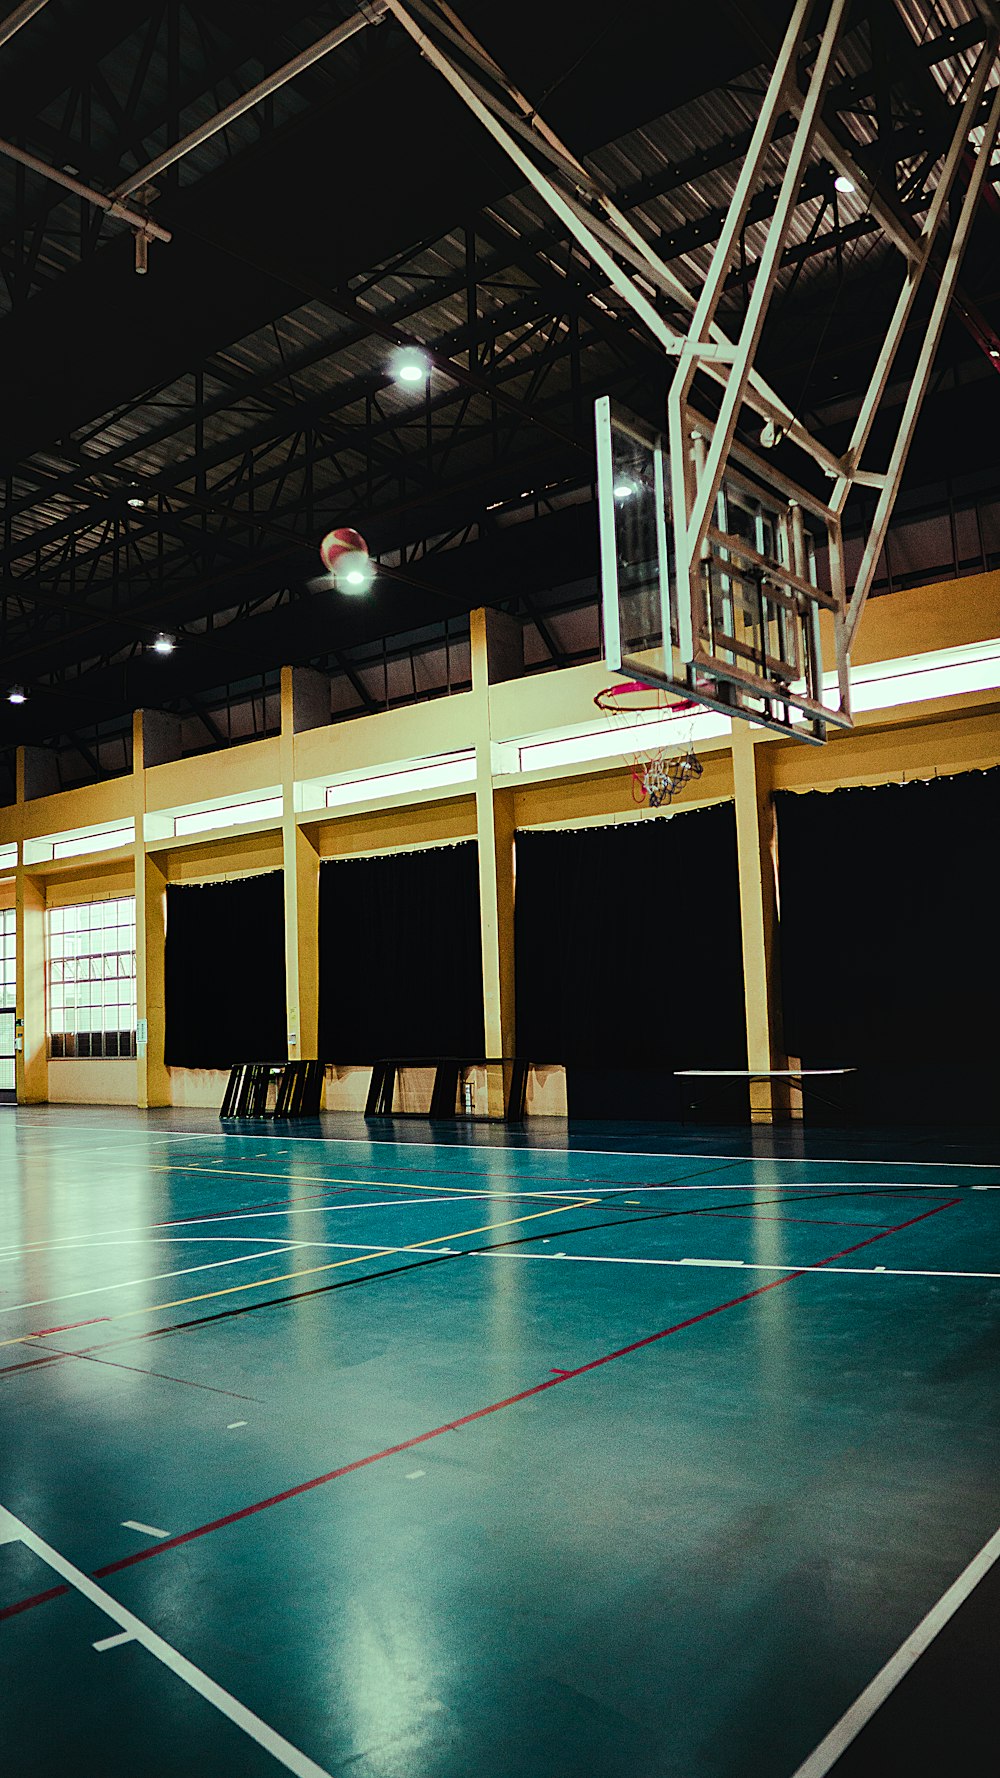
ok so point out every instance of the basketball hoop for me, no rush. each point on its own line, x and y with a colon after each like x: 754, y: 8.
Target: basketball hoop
x: 660, y: 774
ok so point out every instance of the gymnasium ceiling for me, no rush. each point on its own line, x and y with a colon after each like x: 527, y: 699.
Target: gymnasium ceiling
x: 242, y: 391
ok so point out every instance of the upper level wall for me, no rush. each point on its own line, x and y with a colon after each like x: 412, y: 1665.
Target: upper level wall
x: 919, y: 620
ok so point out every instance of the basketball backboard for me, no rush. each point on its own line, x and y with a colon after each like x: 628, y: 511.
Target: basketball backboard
x: 742, y: 632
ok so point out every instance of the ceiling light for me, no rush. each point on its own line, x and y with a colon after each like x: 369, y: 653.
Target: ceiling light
x: 17, y: 695
x: 355, y: 573
x: 842, y: 183
x: 135, y: 500
x: 410, y: 365
x: 995, y: 351
x: 623, y: 489
x: 163, y: 645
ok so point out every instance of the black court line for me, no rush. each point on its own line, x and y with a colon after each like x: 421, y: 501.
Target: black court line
x: 414, y: 1266
x: 521, y: 1395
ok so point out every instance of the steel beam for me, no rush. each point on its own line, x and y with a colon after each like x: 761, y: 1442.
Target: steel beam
x: 922, y: 372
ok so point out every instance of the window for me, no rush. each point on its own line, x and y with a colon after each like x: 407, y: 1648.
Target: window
x: 90, y: 978
x: 8, y: 956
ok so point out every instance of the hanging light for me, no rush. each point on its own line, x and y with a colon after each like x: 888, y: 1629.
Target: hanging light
x: 843, y: 183
x: 17, y: 695
x: 164, y: 644
x: 410, y: 365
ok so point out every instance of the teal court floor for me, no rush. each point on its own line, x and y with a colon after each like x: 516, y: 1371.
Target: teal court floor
x: 632, y: 1454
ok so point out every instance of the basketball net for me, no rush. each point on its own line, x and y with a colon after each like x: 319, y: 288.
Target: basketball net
x: 660, y: 773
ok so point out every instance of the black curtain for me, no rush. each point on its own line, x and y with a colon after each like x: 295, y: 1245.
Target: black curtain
x: 889, y: 946
x: 400, y: 956
x: 629, y: 961
x: 225, y: 973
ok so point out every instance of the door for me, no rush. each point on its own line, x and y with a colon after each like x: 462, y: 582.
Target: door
x: 7, y: 1082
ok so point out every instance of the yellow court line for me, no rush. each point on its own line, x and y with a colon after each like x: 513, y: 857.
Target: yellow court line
x: 334, y: 1265
x: 308, y: 1271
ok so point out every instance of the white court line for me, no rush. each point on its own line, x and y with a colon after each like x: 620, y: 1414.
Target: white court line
x: 885, y: 1682
x: 141, y: 1240
x: 746, y: 1265
x: 147, y: 1530
x: 290, y: 1757
x: 96, y: 1290
x: 625, y: 1154
x: 57, y: 1243
x: 107, y: 1642
x: 604, y: 1194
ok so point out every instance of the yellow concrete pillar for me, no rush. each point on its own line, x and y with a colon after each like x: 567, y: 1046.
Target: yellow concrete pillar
x: 32, y: 1060
x: 758, y: 919
x: 495, y: 835
x: 152, y: 1077
x: 150, y: 952
x: 302, y: 707
x: 31, y: 1067
x: 301, y: 865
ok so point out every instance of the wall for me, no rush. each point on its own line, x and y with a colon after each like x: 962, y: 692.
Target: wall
x: 956, y: 732
x: 81, y: 1081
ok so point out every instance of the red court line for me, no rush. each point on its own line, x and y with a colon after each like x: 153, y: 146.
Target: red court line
x: 420, y: 1438
x: 36, y: 1599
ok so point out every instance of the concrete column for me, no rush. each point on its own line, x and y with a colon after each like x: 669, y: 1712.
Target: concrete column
x: 37, y: 773
x: 155, y: 739
x: 495, y: 835
x: 32, y: 1059
x: 150, y: 952
x: 305, y: 704
x: 759, y: 920
x: 301, y: 867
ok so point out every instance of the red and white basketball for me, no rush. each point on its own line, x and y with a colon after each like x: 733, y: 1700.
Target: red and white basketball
x: 345, y: 556
x: 337, y: 544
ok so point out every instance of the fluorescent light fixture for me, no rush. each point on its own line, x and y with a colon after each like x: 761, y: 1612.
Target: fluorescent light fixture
x: 75, y: 847
x: 621, y: 740
x: 842, y: 183
x: 17, y: 695
x: 915, y: 678
x: 431, y: 774
x: 164, y: 645
x: 410, y: 365
x: 76, y: 842
x: 266, y: 808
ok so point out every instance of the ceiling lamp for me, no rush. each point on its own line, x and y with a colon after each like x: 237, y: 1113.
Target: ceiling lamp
x: 164, y: 644
x: 842, y: 183
x: 410, y: 365
x: 17, y: 695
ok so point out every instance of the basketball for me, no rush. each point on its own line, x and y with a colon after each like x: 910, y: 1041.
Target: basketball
x: 345, y: 556
x: 337, y: 544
